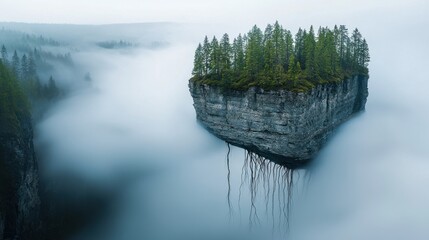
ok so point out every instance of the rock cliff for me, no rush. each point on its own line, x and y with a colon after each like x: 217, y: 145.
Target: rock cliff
x: 19, y: 179
x: 286, y: 127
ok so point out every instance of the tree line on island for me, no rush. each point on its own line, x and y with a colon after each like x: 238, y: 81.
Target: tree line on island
x: 276, y: 59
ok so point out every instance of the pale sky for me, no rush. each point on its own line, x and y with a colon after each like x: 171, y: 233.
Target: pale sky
x: 210, y: 11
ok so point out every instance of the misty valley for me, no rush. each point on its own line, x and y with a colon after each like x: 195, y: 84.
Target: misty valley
x: 95, y: 148
x: 139, y: 131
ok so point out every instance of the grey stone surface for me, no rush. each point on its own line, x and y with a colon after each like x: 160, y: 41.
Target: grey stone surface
x: 19, y: 193
x: 286, y: 127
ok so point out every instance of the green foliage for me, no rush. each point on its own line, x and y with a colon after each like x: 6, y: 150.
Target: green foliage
x: 13, y: 103
x: 275, y: 59
x: 24, y: 69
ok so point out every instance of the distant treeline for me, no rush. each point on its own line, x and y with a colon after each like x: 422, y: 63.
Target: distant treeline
x: 116, y: 44
x: 24, y: 42
x: 276, y: 59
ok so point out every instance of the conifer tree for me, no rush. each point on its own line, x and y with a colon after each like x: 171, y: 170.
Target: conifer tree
x: 225, y: 56
x: 309, y: 51
x: 269, y: 53
x: 365, y: 54
x: 288, y: 48
x: 24, y: 67
x: 206, y: 54
x: 31, y: 71
x: 254, y: 53
x: 215, y: 58
x: 4, y: 56
x: 356, y: 48
x: 16, y: 64
x: 279, y: 44
x: 238, y: 55
x: 198, y: 70
x: 343, y: 39
x: 299, y: 46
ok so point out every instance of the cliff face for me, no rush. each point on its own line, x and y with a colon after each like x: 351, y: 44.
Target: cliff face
x: 285, y: 127
x: 19, y: 196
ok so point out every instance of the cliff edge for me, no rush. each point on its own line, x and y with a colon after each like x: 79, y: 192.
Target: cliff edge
x: 286, y: 127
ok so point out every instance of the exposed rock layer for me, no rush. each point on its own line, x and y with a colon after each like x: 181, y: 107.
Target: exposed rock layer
x: 283, y: 126
x: 19, y: 179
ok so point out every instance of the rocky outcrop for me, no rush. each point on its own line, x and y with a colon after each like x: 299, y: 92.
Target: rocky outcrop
x: 286, y: 127
x: 19, y: 179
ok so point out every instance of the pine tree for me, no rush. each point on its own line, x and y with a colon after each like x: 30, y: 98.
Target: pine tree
x: 206, y: 54
x: 279, y: 44
x: 356, y: 49
x: 225, y: 56
x: 299, y: 46
x: 238, y: 55
x: 4, y: 56
x: 309, y: 51
x: 269, y: 53
x: 294, y: 71
x: 16, y: 64
x: 365, y: 54
x: 288, y: 49
x: 24, y: 67
x: 198, y: 70
x: 343, y: 39
x: 254, y: 53
x: 215, y: 58
x: 31, y: 71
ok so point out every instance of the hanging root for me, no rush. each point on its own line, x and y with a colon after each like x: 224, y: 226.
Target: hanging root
x: 277, y: 186
x: 229, y: 183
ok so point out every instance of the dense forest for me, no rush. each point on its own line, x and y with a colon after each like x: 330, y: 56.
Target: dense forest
x: 13, y: 102
x: 276, y: 59
x: 24, y: 68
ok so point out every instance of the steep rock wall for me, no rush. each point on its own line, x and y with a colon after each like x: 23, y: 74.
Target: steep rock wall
x: 19, y: 179
x: 286, y: 127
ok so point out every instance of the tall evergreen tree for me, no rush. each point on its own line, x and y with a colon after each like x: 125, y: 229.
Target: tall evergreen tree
x: 31, y: 71
x: 225, y: 56
x: 4, y: 56
x: 24, y: 67
x: 356, y: 48
x: 279, y: 45
x: 215, y: 58
x: 299, y: 46
x: 16, y: 64
x: 254, y: 53
x: 309, y: 51
x: 269, y: 52
x: 365, y: 54
x: 206, y: 54
x: 288, y: 48
x: 238, y: 55
x: 198, y: 70
x: 343, y: 40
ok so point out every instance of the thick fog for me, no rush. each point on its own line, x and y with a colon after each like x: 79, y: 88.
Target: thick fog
x: 131, y: 131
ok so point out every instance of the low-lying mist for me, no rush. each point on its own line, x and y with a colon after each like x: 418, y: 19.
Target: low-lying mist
x: 132, y: 132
